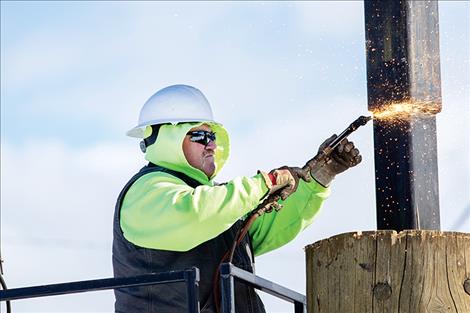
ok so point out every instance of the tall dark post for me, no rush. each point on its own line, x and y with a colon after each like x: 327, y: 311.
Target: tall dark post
x: 402, y: 42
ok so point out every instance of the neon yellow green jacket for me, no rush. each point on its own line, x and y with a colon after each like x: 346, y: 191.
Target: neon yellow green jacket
x: 161, y: 212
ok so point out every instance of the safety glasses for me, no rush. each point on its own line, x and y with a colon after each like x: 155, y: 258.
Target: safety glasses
x: 202, y: 136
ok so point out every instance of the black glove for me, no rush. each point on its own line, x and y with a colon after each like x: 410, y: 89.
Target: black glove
x: 344, y: 156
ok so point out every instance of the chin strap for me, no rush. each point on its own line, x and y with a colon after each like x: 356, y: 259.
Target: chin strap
x: 150, y: 140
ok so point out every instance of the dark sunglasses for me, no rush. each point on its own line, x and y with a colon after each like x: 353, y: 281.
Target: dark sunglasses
x: 202, y: 136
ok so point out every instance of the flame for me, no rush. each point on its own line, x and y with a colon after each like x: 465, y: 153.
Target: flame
x: 405, y: 110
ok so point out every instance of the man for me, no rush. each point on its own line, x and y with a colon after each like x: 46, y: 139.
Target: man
x: 171, y: 215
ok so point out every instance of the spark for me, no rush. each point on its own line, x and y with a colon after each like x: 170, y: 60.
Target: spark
x: 405, y: 110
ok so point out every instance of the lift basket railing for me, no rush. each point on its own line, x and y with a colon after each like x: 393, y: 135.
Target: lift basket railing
x: 190, y: 277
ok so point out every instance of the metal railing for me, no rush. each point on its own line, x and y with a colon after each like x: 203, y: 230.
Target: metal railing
x: 228, y: 273
x: 189, y: 276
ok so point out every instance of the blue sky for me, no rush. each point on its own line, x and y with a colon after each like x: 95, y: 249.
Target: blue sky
x: 62, y: 46
x: 281, y: 76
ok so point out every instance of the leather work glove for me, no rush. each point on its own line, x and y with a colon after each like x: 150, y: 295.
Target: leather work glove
x: 284, y: 180
x: 344, y: 156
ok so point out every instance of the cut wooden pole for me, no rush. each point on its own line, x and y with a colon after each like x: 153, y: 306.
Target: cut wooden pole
x: 412, y: 271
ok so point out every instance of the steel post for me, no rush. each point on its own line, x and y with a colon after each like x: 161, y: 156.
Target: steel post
x: 227, y: 289
x: 229, y: 271
x: 192, y: 286
x: 300, y: 307
x: 402, y: 43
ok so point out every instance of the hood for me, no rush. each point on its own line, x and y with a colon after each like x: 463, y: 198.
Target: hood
x: 167, y: 151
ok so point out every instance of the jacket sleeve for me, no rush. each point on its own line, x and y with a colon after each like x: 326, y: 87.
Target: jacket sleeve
x: 275, y: 229
x: 160, y: 211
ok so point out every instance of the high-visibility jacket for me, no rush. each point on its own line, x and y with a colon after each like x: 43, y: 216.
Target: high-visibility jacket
x: 132, y: 260
x: 161, y: 212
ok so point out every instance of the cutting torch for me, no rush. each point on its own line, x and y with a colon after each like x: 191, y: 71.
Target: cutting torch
x: 322, y: 157
x: 323, y: 154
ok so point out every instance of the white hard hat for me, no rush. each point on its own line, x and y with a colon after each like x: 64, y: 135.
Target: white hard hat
x: 173, y: 104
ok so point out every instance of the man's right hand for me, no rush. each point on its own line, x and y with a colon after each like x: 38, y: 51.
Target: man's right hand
x: 284, y: 180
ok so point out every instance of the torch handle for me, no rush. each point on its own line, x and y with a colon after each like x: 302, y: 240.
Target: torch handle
x: 325, y: 152
x: 360, y: 121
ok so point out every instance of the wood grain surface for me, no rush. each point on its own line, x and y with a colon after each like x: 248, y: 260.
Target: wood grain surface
x: 414, y: 271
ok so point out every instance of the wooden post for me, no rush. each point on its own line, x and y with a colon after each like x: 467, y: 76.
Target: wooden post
x: 384, y: 271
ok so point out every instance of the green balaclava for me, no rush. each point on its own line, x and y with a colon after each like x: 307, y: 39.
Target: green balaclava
x: 167, y: 151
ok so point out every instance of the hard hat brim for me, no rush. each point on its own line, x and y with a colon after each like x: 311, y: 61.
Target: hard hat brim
x: 136, y: 132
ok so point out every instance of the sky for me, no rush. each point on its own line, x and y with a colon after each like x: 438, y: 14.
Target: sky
x: 281, y: 76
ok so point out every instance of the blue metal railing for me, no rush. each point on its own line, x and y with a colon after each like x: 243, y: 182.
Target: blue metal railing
x: 228, y: 273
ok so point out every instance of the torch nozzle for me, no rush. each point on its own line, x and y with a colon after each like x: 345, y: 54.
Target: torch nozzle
x: 360, y: 121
